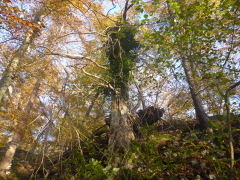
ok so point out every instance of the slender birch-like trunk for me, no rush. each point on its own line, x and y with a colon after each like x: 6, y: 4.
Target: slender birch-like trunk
x: 47, y: 132
x: 15, y: 136
x: 9, y: 74
x: 89, y: 110
x: 230, y: 138
x: 37, y: 138
x: 140, y: 92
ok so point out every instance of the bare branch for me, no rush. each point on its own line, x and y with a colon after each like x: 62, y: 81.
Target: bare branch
x: 72, y: 56
x: 124, y: 16
x: 108, y: 83
x: 233, y: 86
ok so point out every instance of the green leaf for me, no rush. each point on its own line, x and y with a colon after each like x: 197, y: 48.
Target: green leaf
x: 150, y: 127
x: 138, y: 8
x: 75, y: 152
x: 130, y: 160
x: 181, y: 150
x: 116, y: 169
x: 143, y: 21
x: 188, y: 152
x: 219, y: 74
x: 108, y: 167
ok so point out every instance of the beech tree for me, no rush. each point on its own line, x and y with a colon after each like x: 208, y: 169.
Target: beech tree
x: 184, y: 35
x: 10, y: 77
x: 95, y: 60
x: 15, y: 135
x: 9, y: 74
x: 121, y: 46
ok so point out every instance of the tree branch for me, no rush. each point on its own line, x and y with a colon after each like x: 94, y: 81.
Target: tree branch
x: 233, y: 86
x: 71, y: 56
x: 108, y: 84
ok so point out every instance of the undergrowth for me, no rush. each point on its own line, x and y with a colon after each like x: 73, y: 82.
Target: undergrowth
x: 185, y: 155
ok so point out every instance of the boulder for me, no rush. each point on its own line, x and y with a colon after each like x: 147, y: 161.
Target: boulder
x: 149, y: 115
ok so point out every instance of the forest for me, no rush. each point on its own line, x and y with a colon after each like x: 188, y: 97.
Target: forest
x: 120, y: 89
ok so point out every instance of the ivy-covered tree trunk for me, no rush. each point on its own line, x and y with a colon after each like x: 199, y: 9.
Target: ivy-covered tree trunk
x: 121, y: 59
x: 121, y: 48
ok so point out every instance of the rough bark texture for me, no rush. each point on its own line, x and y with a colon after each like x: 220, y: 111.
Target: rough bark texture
x: 121, y: 133
x: 200, y: 113
x: 15, y: 136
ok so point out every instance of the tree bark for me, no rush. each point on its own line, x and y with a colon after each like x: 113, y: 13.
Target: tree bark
x: 134, y: 109
x: 89, y: 110
x: 15, y: 136
x: 230, y: 138
x: 47, y: 132
x: 121, y: 133
x: 37, y: 138
x: 140, y: 91
x: 9, y: 74
x: 200, y: 113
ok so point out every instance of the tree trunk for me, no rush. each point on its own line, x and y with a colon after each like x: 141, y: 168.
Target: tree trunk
x: 89, y: 111
x: 15, y: 136
x: 9, y: 74
x: 200, y: 113
x: 140, y: 92
x: 121, y: 133
x: 37, y: 138
x: 230, y: 138
x: 11, y: 146
x: 47, y: 132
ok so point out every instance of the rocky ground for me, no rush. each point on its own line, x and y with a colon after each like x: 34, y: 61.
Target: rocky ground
x: 185, y: 151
